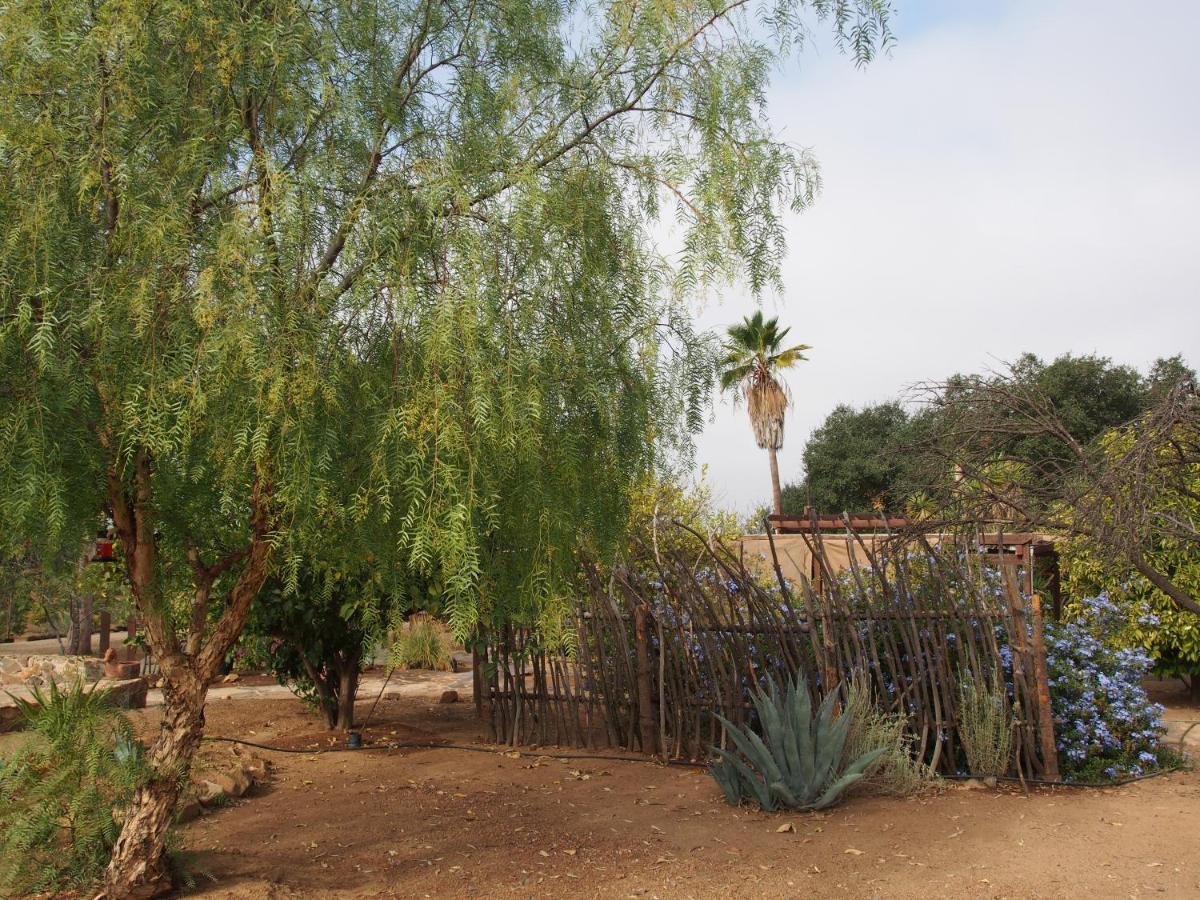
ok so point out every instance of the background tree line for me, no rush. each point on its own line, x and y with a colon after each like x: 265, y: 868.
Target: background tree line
x: 875, y: 456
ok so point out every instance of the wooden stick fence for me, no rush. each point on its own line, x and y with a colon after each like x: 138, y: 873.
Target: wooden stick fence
x: 663, y: 645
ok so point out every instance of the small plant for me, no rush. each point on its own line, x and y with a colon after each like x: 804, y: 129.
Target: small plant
x: 898, y: 772
x: 422, y: 645
x: 60, y: 791
x: 985, y: 726
x: 797, y: 761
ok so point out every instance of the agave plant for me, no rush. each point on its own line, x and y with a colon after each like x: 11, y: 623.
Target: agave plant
x: 796, y: 762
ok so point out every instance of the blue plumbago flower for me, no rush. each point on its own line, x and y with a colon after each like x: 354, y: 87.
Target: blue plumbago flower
x: 1106, y: 727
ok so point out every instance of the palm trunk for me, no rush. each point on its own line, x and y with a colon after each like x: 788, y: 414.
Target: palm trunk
x: 776, y: 490
x: 139, y: 866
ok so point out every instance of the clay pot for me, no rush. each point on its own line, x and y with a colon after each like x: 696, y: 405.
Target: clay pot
x: 114, y: 669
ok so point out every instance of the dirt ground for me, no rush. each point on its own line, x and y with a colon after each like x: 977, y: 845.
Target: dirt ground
x: 453, y: 823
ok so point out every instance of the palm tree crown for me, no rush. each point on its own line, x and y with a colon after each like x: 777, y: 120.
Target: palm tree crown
x: 754, y: 357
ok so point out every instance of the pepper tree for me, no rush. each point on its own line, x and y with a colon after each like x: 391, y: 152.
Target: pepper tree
x: 275, y: 271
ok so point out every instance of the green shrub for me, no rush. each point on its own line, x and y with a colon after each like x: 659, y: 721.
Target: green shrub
x: 422, y: 645
x: 797, y: 761
x: 898, y: 772
x: 60, y: 791
x: 985, y: 726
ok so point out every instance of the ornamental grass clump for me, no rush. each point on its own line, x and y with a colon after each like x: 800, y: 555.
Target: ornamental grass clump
x: 796, y: 759
x: 985, y: 726
x: 898, y: 772
x: 61, y: 791
x: 422, y: 645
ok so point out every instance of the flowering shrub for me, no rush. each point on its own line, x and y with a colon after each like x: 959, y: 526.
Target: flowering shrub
x: 1104, y: 723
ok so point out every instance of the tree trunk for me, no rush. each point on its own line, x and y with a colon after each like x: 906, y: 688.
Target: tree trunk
x: 776, y: 490
x: 346, y: 693
x: 326, y: 691
x: 139, y: 866
x: 1194, y: 683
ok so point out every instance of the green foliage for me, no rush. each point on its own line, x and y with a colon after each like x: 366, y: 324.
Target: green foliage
x: 1089, y: 394
x: 898, y: 772
x: 384, y: 268
x: 874, y: 457
x: 1150, y: 620
x: 755, y: 348
x: 854, y: 462
x: 421, y: 645
x: 754, y: 358
x: 315, y: 635
x: 797, y: 760
x: 61, y: 792
x: 985, y: 725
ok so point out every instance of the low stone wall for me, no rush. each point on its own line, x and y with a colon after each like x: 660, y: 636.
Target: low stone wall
x: 39, y: 671
x: 21, y: 675
x: 125, y: 693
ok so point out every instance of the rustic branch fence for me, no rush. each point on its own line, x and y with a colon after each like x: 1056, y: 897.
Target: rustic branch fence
x: 662, y: 645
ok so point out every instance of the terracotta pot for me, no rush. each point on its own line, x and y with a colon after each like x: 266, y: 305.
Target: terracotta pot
x: 122, y: 669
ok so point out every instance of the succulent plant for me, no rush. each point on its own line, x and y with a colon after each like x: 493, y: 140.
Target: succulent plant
x: 796, y: 762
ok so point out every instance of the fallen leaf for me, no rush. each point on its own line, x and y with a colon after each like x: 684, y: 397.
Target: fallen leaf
x: 853, y: 852
x: 786, y: 827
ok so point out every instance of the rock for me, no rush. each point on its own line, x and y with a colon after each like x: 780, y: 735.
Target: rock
x: 128, y: 693
x: 209, y: 793
x: 449, y: 697
x: 231, y: 678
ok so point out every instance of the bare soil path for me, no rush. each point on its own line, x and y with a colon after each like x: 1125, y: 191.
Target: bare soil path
x: 451, y: 823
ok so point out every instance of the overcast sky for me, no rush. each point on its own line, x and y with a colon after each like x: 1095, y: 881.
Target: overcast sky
x: 1015, y: 176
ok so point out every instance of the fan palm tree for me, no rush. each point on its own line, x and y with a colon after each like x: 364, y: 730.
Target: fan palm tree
x: 752, y: 365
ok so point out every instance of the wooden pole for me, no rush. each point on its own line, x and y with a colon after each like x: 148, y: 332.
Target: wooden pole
x: 105, y: 632
x: 647, y: 717
x: 1042, y: 679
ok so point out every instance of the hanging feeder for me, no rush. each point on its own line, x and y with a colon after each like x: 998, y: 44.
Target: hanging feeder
x: 104, y: 550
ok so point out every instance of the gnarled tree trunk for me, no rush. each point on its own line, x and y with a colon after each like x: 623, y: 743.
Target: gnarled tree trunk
x: 139, y: 866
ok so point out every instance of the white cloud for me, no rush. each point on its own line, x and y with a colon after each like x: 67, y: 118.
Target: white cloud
x: 1028, y: 181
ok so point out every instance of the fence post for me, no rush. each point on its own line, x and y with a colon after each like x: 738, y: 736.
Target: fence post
x: 1042, y: 679
x: 647, y: 717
